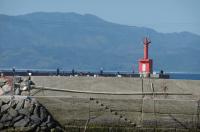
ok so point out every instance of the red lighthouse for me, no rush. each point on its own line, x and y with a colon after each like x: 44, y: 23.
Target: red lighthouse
x: 145, y: 64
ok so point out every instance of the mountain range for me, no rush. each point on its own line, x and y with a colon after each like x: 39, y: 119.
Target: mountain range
x: 86, y: 42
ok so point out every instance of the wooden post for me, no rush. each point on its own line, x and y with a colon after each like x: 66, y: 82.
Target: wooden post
x: 141, y: 120
x: 154, y: 106
x: 142, y: 88
x: 198, y: 114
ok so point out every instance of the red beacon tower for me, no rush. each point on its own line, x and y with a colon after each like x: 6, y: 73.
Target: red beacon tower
x: 145, y: 64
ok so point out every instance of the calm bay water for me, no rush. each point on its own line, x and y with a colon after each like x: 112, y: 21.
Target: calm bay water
x: 185, y: 76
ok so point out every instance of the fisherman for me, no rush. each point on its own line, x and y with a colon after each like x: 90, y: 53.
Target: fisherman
x: 161, y: 72
x: 57, y: 72
x: 133, y: 70
x: 13, y: 70
x: 13, y: 81
x: 2, y: 75
x: 101, y: 71
x: 29, y: 83
x: 73, y: 72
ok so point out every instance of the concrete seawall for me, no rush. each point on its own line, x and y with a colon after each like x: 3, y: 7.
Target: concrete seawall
x: 138, y: 111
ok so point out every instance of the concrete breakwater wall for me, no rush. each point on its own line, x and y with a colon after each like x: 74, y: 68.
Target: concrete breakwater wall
x: 115, y: 84
x: 134, y: 111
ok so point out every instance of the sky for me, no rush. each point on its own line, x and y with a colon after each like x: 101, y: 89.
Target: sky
x: 162, y: 15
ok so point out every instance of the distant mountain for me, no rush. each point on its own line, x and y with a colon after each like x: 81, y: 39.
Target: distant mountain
x: 86, y: 42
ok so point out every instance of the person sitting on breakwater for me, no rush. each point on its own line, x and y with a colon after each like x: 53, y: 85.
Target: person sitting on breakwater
x: 73, y: 72
x: 13, y: 70
x: 57, y: 72
x: 101, y: 71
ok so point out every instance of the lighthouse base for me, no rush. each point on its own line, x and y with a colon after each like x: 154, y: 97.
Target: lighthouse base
x: 145, y: 67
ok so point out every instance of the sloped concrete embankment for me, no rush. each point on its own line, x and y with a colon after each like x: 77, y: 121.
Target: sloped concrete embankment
x: 166, y: 112
x: 135, y: 113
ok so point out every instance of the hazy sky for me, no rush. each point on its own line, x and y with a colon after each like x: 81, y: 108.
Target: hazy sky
x: 161, y: 15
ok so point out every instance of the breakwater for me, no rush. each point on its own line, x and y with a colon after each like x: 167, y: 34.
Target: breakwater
x: 145, y: 112
x: 78, y: 103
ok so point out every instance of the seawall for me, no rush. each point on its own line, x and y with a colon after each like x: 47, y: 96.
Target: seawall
x: 134, y: 111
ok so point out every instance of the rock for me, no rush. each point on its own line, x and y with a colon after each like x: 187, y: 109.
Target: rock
x: 21, y: 123
x: 43, y: 124
x: 25, y: 115
x: 33, y: 127
x: 13, y: 104
x: 17, y: 91
x: 20, y: 104
x: 35, y: 119
x: 35, y: 111
x: 24, y: 93
x: 10, y: 129
x: 48, y: 119
x: 24, y: 111
x: 12, y: 112
x: 1, y: 92
x: 43, y: 114
x: 50, y: 124
x: 52, y: 130
x: 1, y: 103
x: 2, y: 82
x: 24, y: 86
x: 43, y: 128
x: 4, y: 108
x: 18, y: 79
x: 31, y: 108
x: 7, y: 124
x: 5, y: 100
x: 58, y: 129
x: 26, y: 129
x: 5, y: 118
x: 26, y: 79
x: 17, y: 85
x: 37, y: 129
x: 27, y: 103
x: 6, y: 88
x: 34, y: 101
x: 1, y: 126
x: 17, y: 118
